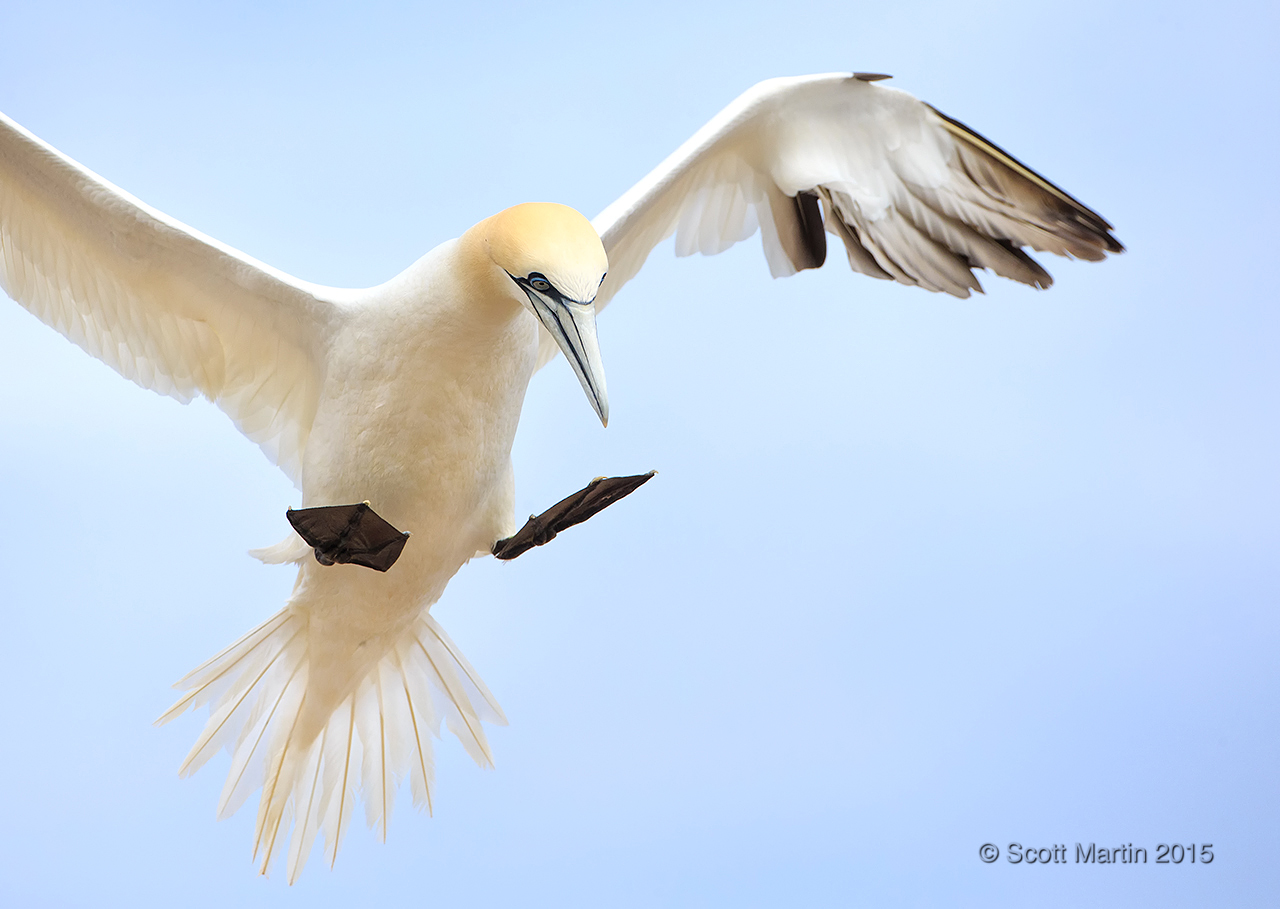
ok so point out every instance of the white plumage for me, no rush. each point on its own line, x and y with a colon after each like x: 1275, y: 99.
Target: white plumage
x: 408, y: 394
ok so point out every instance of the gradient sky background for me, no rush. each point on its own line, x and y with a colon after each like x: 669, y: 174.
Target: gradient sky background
x: 917, y: 574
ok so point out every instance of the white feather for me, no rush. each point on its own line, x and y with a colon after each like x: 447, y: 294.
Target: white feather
x: 162, y: 304
x: 894, y: 163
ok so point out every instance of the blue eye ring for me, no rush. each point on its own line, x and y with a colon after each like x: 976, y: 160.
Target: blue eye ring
x: 539, y: 283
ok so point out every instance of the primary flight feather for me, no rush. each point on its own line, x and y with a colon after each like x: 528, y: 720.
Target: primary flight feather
x: 407, y: 395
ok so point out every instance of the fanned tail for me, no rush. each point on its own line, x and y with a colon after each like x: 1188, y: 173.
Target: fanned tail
x: 379, y: 734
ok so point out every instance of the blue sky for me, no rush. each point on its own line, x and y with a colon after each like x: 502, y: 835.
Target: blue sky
x: 916, y: 575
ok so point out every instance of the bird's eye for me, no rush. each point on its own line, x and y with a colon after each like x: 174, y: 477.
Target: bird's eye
x: 539, y: 283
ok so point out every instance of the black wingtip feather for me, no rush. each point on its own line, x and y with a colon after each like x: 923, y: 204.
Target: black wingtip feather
x: 1088, y: 222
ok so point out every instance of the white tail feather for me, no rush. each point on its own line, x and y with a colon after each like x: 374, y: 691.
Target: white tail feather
x: 430, y: 653
x: 377, y: 736
x: 204, y: 679
x: 338, y: 778
x: 292, y: 548
x: 422, y: 722
x: 310, y: 809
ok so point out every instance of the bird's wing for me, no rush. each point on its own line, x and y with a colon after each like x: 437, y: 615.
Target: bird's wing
x: 914, y: 195
x: 162, y: 304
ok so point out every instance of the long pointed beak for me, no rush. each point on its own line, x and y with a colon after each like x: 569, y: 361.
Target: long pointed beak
x: 573, y: 325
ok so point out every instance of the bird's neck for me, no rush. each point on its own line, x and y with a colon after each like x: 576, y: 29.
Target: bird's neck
x: 453, y: 302
x: 492, y: 298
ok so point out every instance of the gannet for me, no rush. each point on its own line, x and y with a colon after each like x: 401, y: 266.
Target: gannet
x: 407, y: 395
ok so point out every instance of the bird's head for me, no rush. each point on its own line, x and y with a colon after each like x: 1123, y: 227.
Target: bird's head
x: 555, y: 261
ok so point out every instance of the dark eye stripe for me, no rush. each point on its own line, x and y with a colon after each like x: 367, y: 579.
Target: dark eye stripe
x: 537, y: 281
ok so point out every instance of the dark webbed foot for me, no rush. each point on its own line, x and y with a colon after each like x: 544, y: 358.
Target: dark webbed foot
x: 349, y: 534
x: 598, y: 495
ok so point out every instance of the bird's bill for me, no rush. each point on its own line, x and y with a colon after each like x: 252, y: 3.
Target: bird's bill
x: 573, y: 325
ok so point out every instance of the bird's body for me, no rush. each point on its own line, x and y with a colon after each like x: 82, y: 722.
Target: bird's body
x: 423, y: 382
x: 423, y: 431
x: 408, y: 395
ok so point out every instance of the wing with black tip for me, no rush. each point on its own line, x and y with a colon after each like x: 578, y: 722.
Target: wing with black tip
x: 913, y: 195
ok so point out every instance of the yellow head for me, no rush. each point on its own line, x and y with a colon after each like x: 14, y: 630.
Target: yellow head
x: 556, y: 259
x: 552, y: 240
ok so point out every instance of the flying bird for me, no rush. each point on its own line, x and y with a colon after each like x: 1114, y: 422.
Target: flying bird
x: 393, y: 408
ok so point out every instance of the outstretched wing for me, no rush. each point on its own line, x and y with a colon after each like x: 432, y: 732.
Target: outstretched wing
x: 914, y: 195
x: 162, y: 304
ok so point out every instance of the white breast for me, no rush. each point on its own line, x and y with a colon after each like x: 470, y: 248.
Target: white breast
x: 418, y: 413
